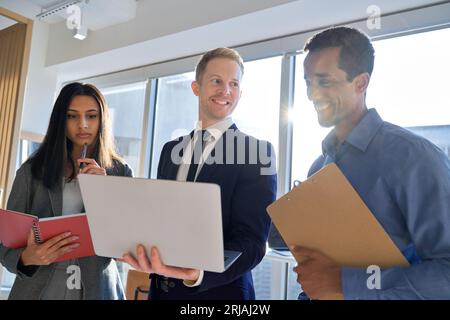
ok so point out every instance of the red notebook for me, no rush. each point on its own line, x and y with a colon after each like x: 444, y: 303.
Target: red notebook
x: 15, y: 227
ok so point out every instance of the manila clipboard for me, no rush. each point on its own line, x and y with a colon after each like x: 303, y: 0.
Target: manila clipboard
x: 326, y: 213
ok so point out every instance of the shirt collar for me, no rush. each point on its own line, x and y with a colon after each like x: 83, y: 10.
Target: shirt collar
x: 217, y: 129
x: 360, y: 136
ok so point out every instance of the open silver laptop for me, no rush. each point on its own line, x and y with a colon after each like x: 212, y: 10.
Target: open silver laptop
x: 182, y: 219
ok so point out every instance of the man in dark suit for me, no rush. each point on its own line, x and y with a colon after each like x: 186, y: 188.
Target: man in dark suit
x: 244, y: 168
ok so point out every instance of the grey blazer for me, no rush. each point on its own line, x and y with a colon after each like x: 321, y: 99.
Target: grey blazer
x: 99, y: 275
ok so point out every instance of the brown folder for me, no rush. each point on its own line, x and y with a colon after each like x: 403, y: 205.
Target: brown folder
x: 326, y: 213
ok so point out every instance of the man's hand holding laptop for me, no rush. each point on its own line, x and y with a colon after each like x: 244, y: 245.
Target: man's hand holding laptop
x: 154, y: 264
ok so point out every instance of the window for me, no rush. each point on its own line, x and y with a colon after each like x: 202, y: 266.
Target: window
x: 176, y: 112
x: 26, y: 148
x: 126, y: 105
x: 308, y: 134
x: 409, y: 84
x: 274, y: 278
x: 257, y: 113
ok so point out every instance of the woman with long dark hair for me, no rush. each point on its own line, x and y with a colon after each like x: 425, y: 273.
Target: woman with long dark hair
x: 46, y: 185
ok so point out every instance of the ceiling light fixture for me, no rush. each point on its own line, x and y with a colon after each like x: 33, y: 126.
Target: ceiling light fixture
x: 57, y: 8
x: 80, y: 33
x: 72, y: 10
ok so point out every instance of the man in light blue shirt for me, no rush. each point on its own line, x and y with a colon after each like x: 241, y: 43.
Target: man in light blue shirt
x: 403, y: 178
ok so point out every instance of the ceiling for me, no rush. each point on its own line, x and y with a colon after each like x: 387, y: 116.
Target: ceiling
x: 5, y: 22
x: 97, y: 14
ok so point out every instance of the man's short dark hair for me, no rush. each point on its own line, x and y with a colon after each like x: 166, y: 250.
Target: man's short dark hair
x: 357, y: 54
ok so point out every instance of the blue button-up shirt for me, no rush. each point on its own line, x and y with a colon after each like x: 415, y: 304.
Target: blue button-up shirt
x: 405, y: 181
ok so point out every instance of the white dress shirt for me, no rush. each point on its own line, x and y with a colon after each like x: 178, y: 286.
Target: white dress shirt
x: 214, y: 133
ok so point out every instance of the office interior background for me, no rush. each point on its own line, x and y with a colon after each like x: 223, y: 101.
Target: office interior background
x: 142, y: 54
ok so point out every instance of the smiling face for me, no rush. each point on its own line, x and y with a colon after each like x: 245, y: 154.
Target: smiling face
x: 218, y: 90
x: 338, y: 101
x: 83, y: 121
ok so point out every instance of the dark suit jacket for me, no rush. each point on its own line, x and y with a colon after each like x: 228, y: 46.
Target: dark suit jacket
x: 247, y: 188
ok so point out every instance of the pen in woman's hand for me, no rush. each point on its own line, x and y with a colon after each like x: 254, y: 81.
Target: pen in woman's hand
x: 83, y: 155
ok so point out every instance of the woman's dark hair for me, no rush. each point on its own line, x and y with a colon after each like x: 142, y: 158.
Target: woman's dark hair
x: 48, y: 162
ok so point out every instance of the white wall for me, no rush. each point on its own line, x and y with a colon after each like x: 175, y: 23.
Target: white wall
x: 41, y: 84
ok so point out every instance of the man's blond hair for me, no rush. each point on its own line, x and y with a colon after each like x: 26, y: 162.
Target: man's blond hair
x: 217, y: 53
